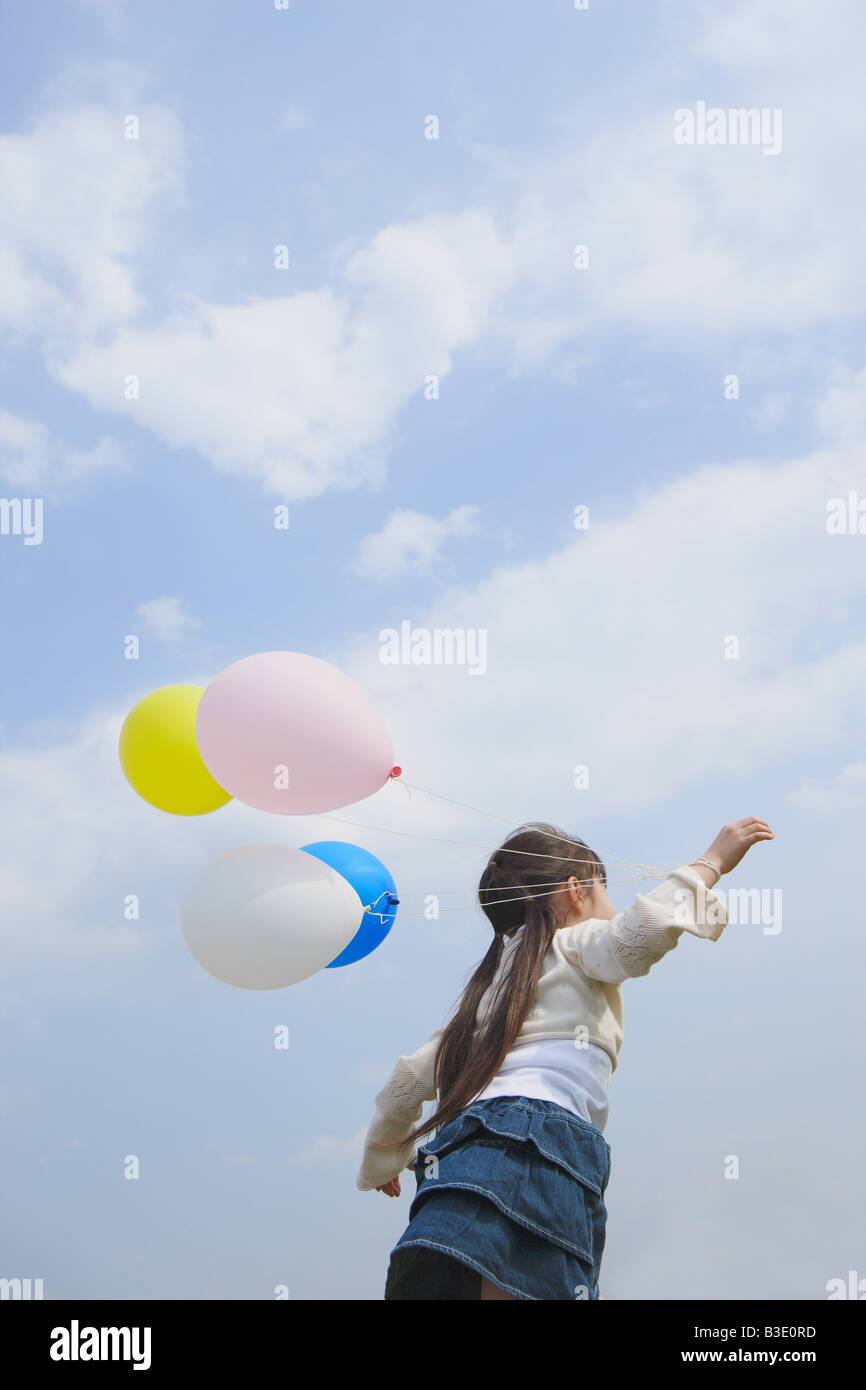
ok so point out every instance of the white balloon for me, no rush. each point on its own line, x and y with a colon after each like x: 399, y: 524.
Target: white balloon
x: 266, y: 916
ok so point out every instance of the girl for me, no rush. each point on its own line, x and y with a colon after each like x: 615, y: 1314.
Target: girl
x: 509, y: 1199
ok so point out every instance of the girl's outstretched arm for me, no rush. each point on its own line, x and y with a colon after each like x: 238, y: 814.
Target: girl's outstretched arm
x: 398, y: 1110
x: 629, y: 944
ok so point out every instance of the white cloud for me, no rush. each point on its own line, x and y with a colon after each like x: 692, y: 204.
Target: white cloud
x: 75, y: 214
x: 328, y: 1149
x: 790, y: 43
x: 844, y: 792
x: 639, y: 394
x: 64, y: 832
x: 412, y: 540
x: 701, y: 239
x: 165, y: 619
x: 841, y: 413
x: 108, y: 12
x: 610, y: 652
x: 771, y: 410
x: 295, y: 117
x: 33, y: 459
x: 301, y: 391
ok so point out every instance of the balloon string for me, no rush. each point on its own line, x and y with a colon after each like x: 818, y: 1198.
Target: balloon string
x: 447, y: 892
x: 520, y: 897
x: 651, y: 872
x: 517, y: 898
x: 631, y: 871
x: 466, y: 907
x: 508, y: 821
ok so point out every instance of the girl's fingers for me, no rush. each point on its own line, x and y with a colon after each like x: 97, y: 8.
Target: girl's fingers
x: 752, y: 826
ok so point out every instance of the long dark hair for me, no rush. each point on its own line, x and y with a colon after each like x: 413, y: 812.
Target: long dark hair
x: 518, y: 888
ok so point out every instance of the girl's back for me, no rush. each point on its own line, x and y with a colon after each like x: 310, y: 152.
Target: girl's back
x: 509, y: 1193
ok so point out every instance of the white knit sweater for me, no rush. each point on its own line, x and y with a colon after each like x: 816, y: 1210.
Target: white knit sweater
x: 580, y: 984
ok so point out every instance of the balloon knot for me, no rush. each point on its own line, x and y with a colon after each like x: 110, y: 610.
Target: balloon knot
x: 395, y: 772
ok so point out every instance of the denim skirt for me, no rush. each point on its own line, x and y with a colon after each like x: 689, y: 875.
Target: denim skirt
x: 512, y: 1189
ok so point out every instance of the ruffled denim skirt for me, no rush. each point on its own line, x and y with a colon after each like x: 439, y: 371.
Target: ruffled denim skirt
x: 512, y: 1190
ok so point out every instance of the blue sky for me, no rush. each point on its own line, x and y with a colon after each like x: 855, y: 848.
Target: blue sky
x: 304, y: 387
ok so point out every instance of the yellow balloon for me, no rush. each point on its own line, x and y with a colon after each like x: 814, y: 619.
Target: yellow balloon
x: 159, y: 754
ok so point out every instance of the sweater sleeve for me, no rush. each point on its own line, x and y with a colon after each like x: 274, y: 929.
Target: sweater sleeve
x: 630, y: 943
x: 398, y: 1110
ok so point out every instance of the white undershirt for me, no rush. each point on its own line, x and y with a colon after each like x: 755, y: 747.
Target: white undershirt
x: 578, y: 1078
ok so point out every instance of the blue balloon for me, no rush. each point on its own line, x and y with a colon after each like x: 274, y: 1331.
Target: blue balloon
x: 374, y: 886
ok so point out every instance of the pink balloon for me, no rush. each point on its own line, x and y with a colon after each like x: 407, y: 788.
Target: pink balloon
x: 289, y: 733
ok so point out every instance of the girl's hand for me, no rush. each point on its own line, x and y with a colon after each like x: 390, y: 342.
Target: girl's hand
x: 734, y: 840
x: 392, y: 1187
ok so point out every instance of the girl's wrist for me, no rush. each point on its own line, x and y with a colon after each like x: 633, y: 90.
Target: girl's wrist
x: 709, y: 863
